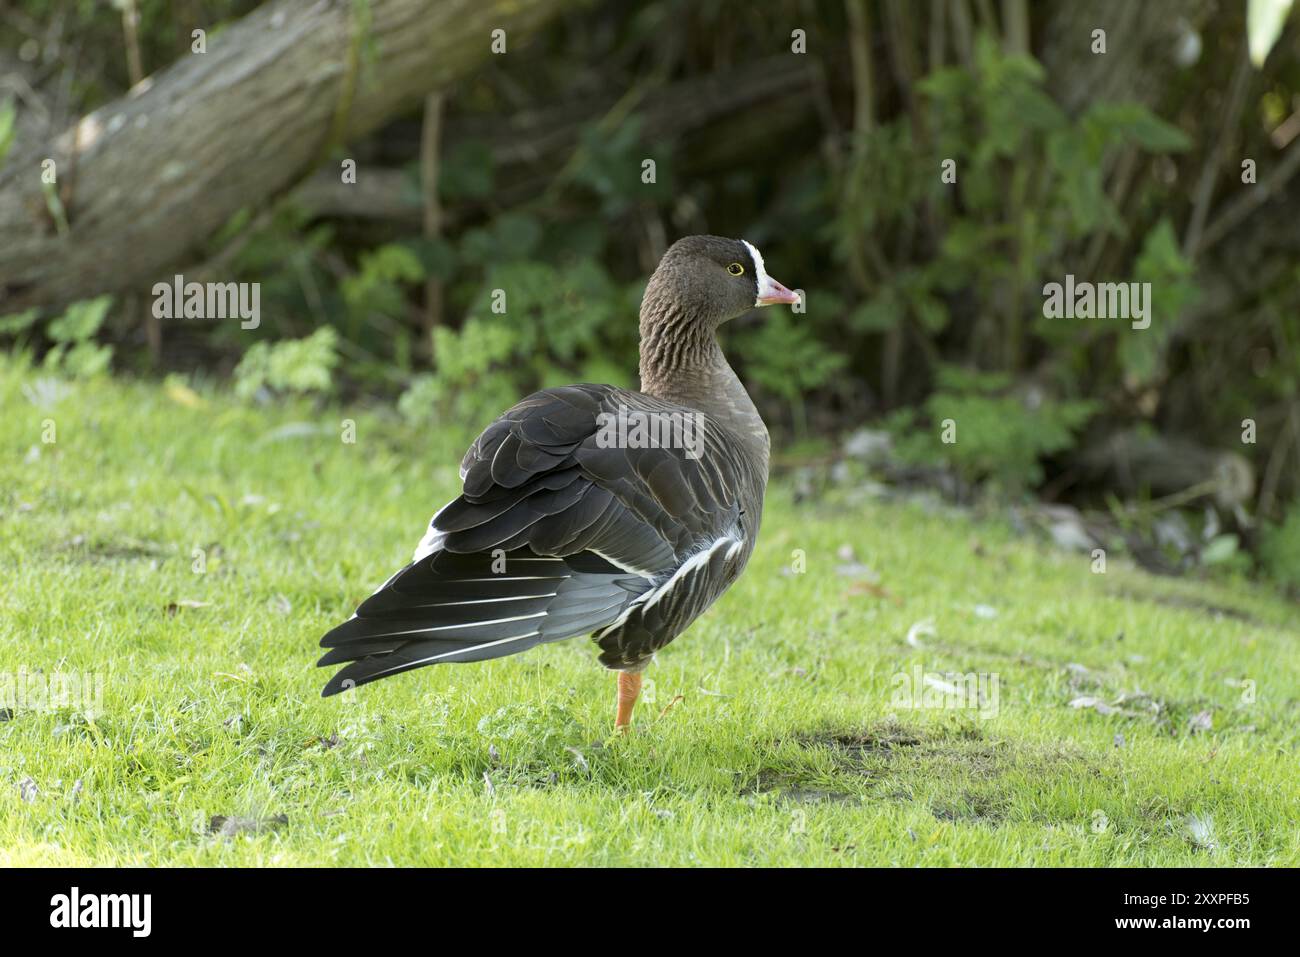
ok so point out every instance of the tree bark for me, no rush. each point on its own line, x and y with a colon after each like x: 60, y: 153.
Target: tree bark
x: 144, y: 179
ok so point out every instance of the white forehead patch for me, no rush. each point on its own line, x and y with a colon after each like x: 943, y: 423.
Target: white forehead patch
x: 764, y: 281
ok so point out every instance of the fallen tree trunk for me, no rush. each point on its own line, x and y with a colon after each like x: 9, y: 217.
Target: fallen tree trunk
x: 142, y: 180
x: 1136, y: 463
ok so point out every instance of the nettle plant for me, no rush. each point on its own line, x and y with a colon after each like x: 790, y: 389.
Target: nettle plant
x: 376, y: 300
x: 73, y: 351
x: 291, y: 366
x: 529, y: 322
x: 784, y: 356
x: 1280, y: 550
x: 1018, y: 198
x: 1031, y: 193
x: 986, y: 429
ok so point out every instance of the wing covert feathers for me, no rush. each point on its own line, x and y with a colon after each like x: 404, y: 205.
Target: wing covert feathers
x: 554, y: 536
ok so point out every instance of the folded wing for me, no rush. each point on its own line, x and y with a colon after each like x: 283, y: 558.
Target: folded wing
x: 556, y: 535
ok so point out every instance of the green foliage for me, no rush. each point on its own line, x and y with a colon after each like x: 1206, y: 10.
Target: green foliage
x: 81, y: 360
x: 464, y: 388
x: 551, y: 333
x: 609, y: 162
x: 1280, y: 550
x: 1264, y: 21
x: 418, y: 403
x: 380, y: 283
x: 560, y: 310
x: 1028, y: 190
x: 1106, y: 123
x: 300, y: 366
x: 377, y: 295
x: 508, y: 238
x: 996, y: 436
x: 910, y: 274
x: 467, y: 353
x: 1162, y: 264
x: 560, y: 323
x: 466, y: 171
x: 18, y: 322
x: 785, y: 357
x: 8, y: 115
x: 75, y: 352
x: 81, y: 321
x: 1220, y: 550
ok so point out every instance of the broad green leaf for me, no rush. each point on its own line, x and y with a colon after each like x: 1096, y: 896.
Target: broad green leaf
x: 7, y: 117
x: 1135, y: 123
x: 1219, y: 549
x: 1264, y: 19
x: 18, y: 321
x: 878, y: 314
x: 81, y: 321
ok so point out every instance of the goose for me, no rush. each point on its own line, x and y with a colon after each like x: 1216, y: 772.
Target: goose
x: 590, y: 509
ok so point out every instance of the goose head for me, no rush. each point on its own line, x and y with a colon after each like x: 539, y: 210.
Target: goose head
x: 709, y: 280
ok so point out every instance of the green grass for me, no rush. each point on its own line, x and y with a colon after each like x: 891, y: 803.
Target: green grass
x: 784, y: 748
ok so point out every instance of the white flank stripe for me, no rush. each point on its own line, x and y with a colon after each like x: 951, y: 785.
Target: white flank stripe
x: 620, y: 620
x: 688, y: 568
x: 647, y: 599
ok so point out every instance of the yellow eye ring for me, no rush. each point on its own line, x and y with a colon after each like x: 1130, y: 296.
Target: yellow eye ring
x: 736, y: 269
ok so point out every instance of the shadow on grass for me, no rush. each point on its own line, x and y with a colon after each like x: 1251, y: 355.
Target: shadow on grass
x: 955, y: 769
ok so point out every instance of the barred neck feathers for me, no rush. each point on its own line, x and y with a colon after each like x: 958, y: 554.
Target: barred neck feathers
x: 702, y: 282
x: 675, y: 344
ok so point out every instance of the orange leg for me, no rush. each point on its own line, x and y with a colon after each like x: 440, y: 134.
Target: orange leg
x: 629, y: 687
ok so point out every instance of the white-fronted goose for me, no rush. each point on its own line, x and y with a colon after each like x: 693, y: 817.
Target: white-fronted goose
x: 590, y: 509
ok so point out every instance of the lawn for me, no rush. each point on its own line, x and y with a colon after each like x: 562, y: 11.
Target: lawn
x: 183, y: 552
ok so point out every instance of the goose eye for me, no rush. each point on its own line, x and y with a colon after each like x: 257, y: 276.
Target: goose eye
x: 736, y: 269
